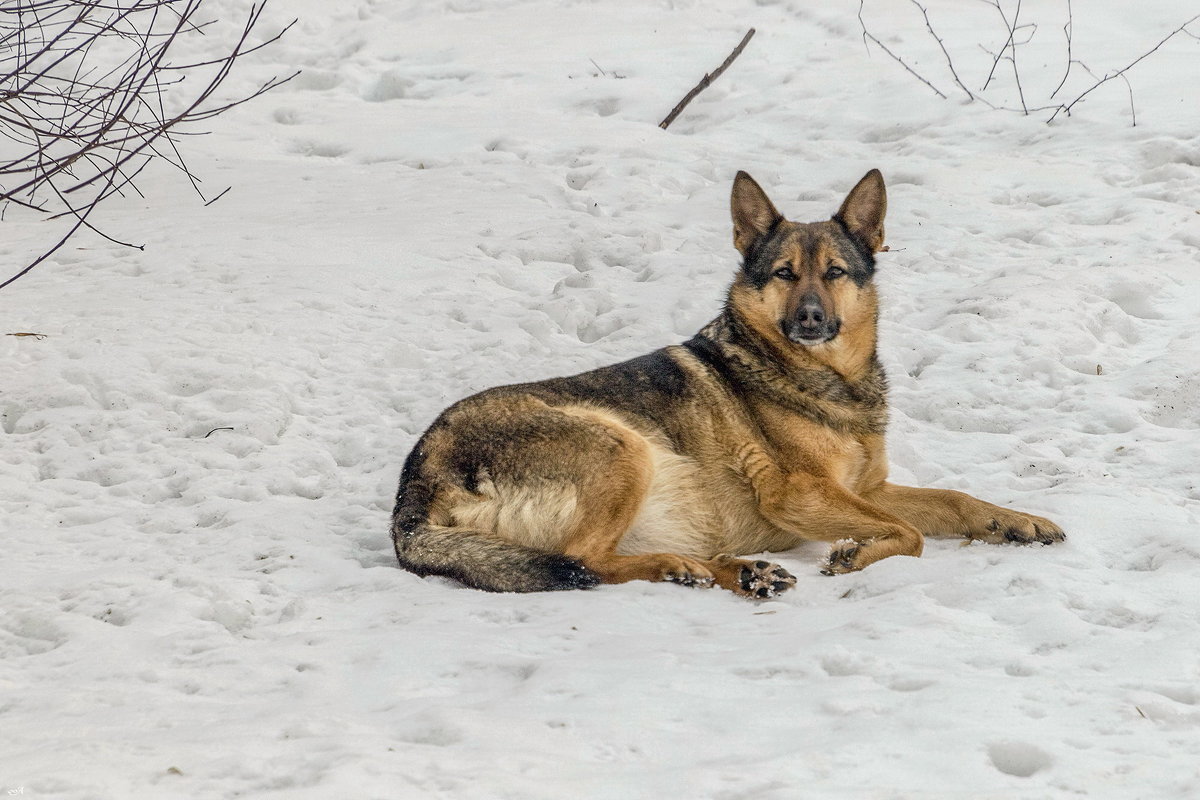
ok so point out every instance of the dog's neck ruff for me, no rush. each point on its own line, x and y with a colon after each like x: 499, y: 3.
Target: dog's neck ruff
x: 819, y: 392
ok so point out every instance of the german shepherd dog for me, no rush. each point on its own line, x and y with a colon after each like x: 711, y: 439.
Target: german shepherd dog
x: 764, y: 430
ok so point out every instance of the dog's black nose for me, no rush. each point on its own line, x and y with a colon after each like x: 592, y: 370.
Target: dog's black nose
x: 811, y: 313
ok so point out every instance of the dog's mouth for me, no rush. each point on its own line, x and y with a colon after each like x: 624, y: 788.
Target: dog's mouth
x: 810, y: 335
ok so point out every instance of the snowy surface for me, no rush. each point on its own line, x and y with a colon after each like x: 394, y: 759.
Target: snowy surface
x: 462, y: 193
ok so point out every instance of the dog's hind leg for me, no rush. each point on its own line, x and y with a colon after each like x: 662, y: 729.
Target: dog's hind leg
x: 609, y: 498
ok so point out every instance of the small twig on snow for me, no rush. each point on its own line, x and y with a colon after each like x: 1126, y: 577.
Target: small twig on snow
x: 1132, y: 109
x: 218, y: 197
x: 706, y: 81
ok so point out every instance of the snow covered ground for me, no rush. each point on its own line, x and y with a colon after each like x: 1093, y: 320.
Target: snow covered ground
x: 198, y: 597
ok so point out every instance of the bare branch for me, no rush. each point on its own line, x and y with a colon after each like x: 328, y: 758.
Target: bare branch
x: 706, y: 80
x: 85, y: 88
x: 1121, y: 72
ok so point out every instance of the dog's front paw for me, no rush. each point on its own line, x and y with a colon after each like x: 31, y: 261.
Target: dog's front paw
x: 1014, y: 526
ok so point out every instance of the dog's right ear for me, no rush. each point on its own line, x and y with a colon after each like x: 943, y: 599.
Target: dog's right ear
x: 753, y: 213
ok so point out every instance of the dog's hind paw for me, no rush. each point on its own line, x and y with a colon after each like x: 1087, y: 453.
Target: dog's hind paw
x: 763, y: 580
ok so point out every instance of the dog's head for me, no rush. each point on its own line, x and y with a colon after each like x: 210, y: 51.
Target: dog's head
x: 810, y: 282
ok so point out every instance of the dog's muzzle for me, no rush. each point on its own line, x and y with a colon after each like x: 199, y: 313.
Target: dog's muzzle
x: 811, y: 325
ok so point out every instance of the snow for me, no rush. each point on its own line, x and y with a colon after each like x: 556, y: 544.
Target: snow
x: 197, y: 463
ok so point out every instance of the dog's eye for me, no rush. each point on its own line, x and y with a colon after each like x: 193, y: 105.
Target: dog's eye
x: 834, y: 272
x: 785, y: 273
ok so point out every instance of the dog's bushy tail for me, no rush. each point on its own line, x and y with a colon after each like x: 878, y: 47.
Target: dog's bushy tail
x: 483, y: 560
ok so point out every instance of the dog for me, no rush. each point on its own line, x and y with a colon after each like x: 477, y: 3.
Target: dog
x: 764, y: 430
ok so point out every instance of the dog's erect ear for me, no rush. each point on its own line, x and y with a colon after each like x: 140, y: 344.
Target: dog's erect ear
x: 753, y: 214
x: 863, y: 210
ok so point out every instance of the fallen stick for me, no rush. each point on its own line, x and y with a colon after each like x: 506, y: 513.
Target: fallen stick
x: 705, y: 81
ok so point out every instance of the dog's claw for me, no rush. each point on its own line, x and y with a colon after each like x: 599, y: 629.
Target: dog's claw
x: 688, y: 579
x: 1048, y: 536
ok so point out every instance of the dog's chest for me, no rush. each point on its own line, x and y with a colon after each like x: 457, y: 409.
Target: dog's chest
x: 856, y: 461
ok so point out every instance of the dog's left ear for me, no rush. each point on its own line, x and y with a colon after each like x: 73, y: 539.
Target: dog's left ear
x: 863, y: 210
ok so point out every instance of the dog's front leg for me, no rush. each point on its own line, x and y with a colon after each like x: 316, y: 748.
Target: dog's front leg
x: 814, y: 506
x: 945, y: 513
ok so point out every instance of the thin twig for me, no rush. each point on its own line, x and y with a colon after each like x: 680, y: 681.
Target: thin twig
x: 941, y: 44
x: 1007, y: 43
x: 868, y: 35
x: 1010, y: 46
x: 218, y: 197
x: 1068, y: 30
x: 706, y: 81
x: 1132, y: 108
x: 1013, y: 48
